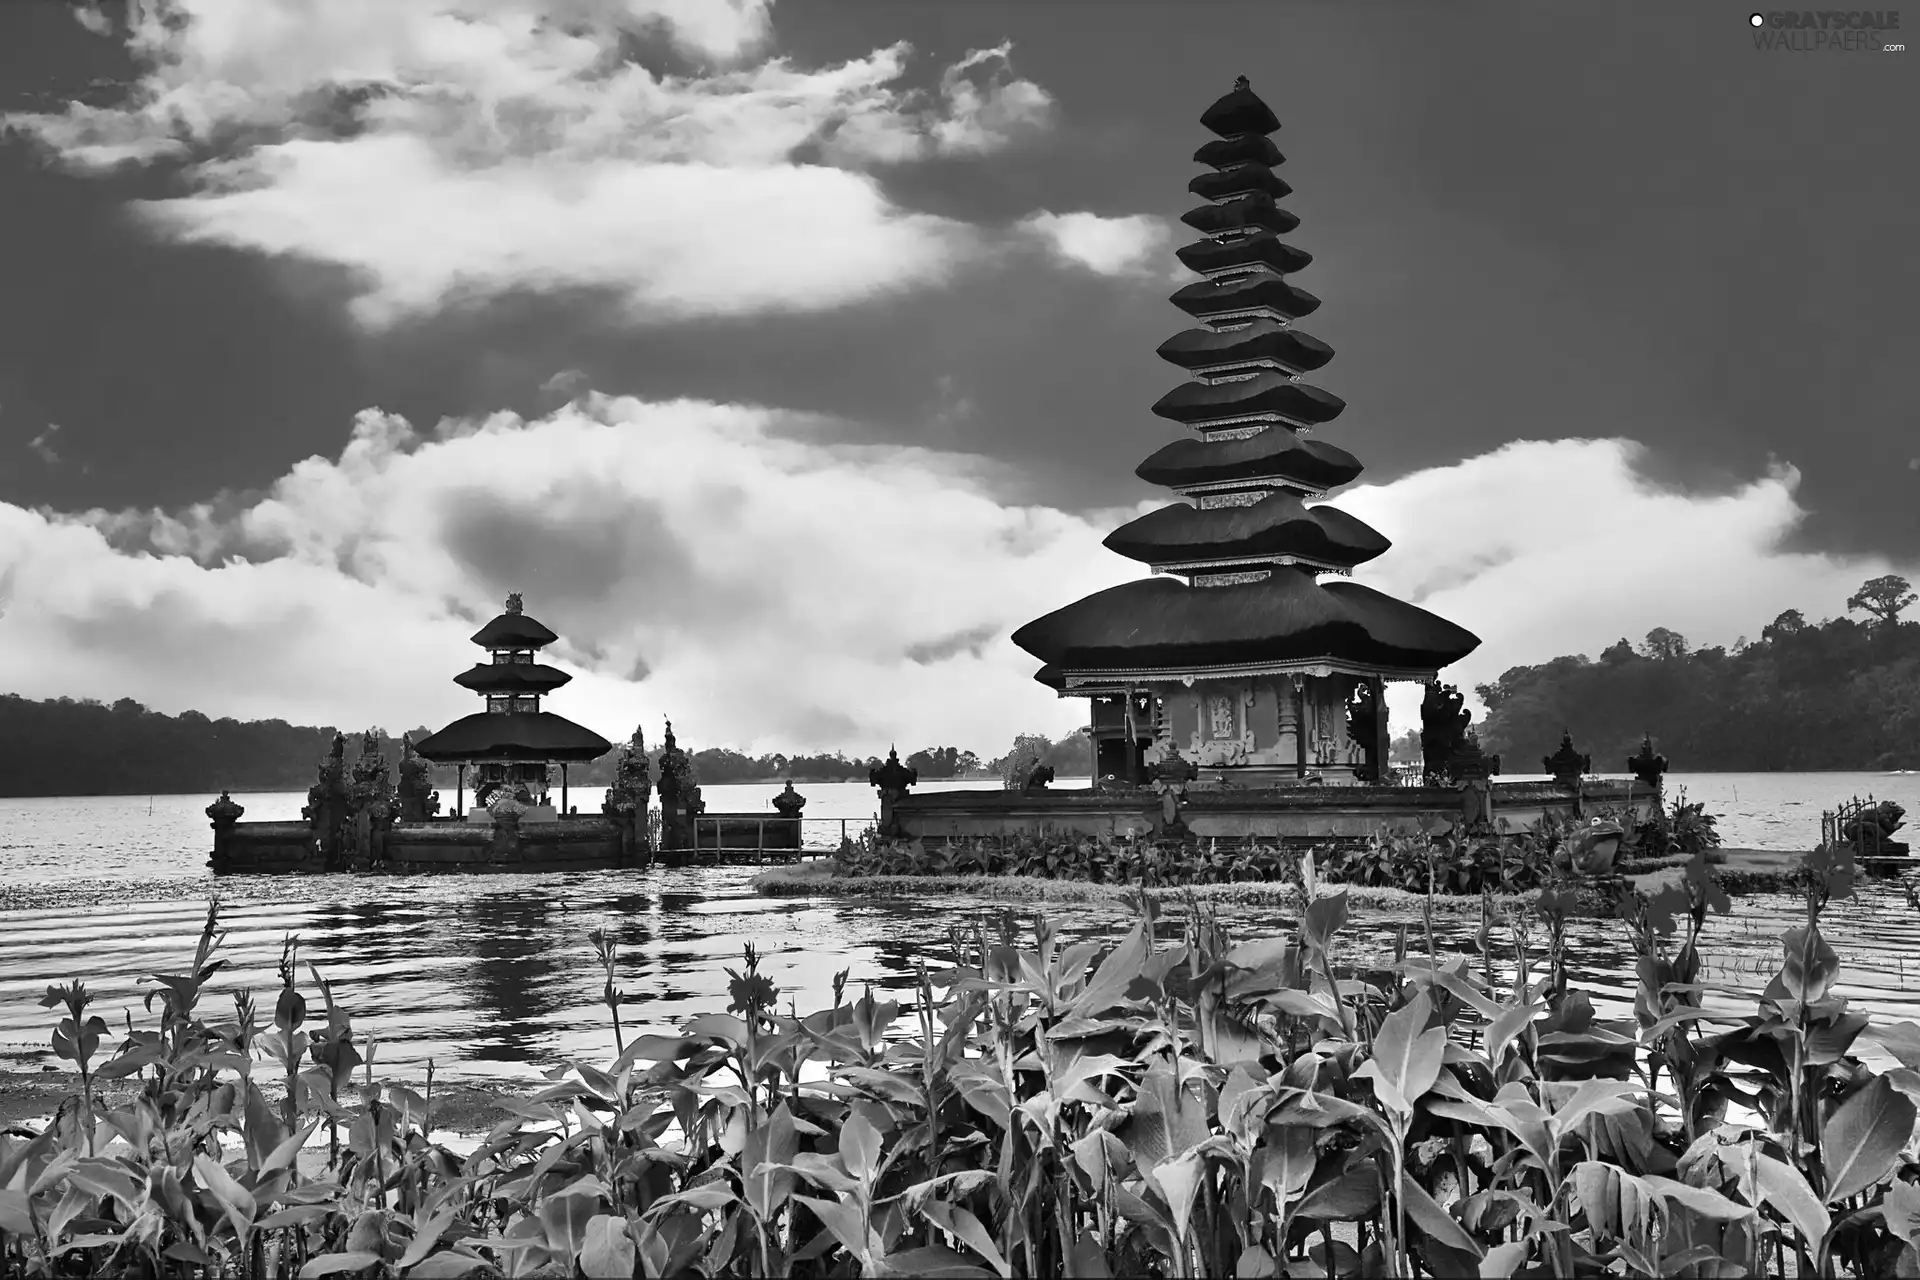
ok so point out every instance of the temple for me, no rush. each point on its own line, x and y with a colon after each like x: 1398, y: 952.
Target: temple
x: 1239, y: 691
x: 360, y: 817
x: 513, y: 744
x: 1236, y: 655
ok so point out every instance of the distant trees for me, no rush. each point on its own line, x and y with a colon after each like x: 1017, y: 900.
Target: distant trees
x: 66, y: 747
x: 1836, y: 695
x: 1883, y: 597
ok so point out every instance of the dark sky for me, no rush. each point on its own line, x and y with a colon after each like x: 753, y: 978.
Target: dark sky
x: 1531, y: 221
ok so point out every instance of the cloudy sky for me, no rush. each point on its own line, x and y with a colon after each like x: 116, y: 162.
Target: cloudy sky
x: 788, y: 356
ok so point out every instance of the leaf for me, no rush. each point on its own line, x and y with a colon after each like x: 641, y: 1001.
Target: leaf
x: 934, y: 1260
x: 1406, y: 1055
x: 1701, y: 1200
x: 1782, y: 1187
x: 957, y: 1222
x: 770, y: 1146
x: 1512, y: 1020
x: 860, y: 1146
x: 16, y: 1217
x: 1594, y: 1097
x: 283, y: 1156
x: 1902, y: 1040
x: 1434, y: 1220
x: 235, y: 1199
x: 1110, y: 981
x: 845, y: 1224
x: 329, y: 1264
x: 607, y: 1249
x: 1179, y: 1180
x: 425, y: 1236
x: 1503, y: 1260
x: 1862, y: 1138
x: 451, y: 1265
x: 1355, y: 1194
x: 1323, y: 918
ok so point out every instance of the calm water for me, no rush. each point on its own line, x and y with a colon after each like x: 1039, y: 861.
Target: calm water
x: 493, y: 975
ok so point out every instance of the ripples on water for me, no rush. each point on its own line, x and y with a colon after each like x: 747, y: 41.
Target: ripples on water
x: 493, y: 975
x: 496, y: 976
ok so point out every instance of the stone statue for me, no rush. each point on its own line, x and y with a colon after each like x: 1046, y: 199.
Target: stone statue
x: 328, y: 806
x: 1037, y: 779
x: 1363, y: 728
x: 419, y: 802
x: 1444, y: 720
x: 1566, y: 765
x: 1590, y: 850
x: 1469, y: 763
x: 1647, y: 767
x: 628, y: 798
x: 680, y: 801
x: 1170, y: 779
x: 371, y: 801
x: 513, y: 602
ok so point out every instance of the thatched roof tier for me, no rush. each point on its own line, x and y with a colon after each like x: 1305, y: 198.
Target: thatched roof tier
x: 1238, y: 112
x: 1267, y: 391
x: 1278, y: 524
x: 512, y: 630
x: 511, y: 677
x: 1163, y: 624
x: 1261, y: 249
x: 1264, y: 339
x: 1248, y: 148
x: 1253, y: 180
x: 521, y: 735
x: 1205, y: 298
x: 1273, y: 454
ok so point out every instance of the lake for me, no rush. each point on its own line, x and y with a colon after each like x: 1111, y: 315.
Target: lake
x: 491, y: 975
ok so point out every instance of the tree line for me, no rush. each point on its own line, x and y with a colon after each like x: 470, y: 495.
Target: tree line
x: 68, y: 746
x: 1842, y: 693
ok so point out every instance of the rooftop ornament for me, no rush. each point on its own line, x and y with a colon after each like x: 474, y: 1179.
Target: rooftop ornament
x: 514, y: 604
x: 789, y: 802
x: 1647, y: 766
x: 1567, y: 765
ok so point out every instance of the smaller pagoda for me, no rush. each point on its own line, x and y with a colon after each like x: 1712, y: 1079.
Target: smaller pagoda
x: 513, y: 744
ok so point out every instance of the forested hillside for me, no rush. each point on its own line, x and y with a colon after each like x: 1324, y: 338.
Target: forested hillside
x: 1840, y: 694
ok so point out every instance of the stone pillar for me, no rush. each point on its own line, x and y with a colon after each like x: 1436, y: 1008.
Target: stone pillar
x: 1302, y: 723
x: 788, y: 804
x: 225, y: 814
x: 1382, y: 734
x: 892, y: 780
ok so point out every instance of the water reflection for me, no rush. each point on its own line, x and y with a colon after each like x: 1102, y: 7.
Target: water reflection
x: 496, y: 975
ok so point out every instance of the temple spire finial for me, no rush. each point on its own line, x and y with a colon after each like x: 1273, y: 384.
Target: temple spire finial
x: 1241, y: 82
x: 513, y: 602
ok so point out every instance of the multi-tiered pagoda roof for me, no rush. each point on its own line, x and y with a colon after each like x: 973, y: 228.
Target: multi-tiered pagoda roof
x: 1237, y: 566
x: 513, y: 727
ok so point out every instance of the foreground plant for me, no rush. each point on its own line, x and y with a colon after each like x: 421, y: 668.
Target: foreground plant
x: 1157, y: 1107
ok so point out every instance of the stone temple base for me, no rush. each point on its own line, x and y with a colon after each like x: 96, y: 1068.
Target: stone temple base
x: 1292, y: 814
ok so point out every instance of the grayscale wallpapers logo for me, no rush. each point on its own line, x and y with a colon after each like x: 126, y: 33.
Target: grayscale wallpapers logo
x: 1827, y: 30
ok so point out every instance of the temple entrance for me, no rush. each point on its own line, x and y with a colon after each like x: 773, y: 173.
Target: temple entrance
x: 1111, y: 766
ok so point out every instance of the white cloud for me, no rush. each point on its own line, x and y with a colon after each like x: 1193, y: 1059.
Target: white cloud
x: 42, y: 445
x: 709, y: 546
x: 446, y: 150
x: 1543, y: 549
x: 1114, y: 246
